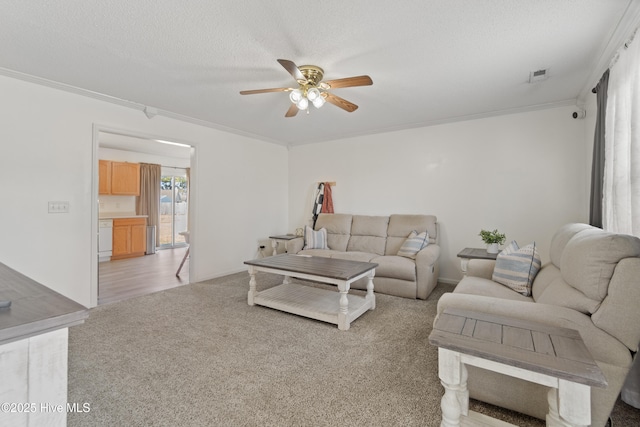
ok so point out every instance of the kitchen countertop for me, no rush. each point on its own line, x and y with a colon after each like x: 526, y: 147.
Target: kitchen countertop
x: 119, y: 215
x: 35, y: 309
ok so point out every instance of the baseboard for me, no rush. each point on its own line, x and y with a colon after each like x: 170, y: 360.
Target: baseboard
x: 448, y: 281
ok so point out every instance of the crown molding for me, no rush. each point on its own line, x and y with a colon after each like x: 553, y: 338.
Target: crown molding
x: 144, y: 109
x: 449, y: 120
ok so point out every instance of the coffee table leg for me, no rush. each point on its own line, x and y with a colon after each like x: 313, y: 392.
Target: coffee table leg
x: 343, y: 323
x: 252, y: 285
x: 370, y: 295
x: 453, y: 377
x: 569, y: 405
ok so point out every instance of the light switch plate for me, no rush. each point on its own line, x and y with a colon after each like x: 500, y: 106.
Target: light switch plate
x: 58, y: 207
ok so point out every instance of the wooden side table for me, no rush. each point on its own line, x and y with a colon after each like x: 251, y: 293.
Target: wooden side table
x: 473, y: 253
x: 282, y: 238
x: 548, y: 355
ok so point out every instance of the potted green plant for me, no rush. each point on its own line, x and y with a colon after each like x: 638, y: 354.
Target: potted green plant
x: 493, y: 239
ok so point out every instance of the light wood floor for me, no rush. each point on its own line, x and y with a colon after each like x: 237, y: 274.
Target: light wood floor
x: 127, y: 278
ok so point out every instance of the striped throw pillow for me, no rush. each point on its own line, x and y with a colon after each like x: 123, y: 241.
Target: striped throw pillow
x: 517, y: 267
x: 414, y: 243
x: 315, y: 239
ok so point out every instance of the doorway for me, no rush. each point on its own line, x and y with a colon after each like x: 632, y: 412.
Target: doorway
x: 124, y: 278
x: 174, y: 207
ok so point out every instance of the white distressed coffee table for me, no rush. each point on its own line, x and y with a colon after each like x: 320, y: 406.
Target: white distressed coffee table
x: 321, y: 304
x: 548, y: 355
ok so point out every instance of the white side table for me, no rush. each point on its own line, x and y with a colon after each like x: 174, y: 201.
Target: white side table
x: 548, y: 355
x: 473, y: 253
x: 282, y: 238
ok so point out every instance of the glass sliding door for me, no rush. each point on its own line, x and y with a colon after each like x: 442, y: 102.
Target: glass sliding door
x: 174, y: 207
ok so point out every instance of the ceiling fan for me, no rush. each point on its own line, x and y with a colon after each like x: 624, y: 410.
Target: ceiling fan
x: 312, y: 90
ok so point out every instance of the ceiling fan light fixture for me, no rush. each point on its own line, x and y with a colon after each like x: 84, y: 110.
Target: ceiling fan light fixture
x: 295, y: 96
x: 313, y: 94
x: 318, y: 102
x: 302, y: 104
x: 311, y: 88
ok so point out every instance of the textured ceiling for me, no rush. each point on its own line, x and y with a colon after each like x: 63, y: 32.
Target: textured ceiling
x: 431, y: 61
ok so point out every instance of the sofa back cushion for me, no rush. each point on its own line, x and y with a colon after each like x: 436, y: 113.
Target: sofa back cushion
x: 400, y: 226
x: 561, y: 238
x: 590, y: 257
x: 547, y: 275
x: 368, y: 234
x: 338, y: 228
x: 619, y: 313
x: 586, y: 257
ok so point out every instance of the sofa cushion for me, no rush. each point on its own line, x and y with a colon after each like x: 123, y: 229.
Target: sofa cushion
x: 315, y: 239
x: 368, y: 234
x: 326, y: 253
x: 590, y: 257
x: 561, y: 238
x: 395, y: 266
x: 354, y: 256
x: 516, y: 268
x: 413, y: 244
x: 619, y: 313
x: 561, y: 294
x: 401, y: 225
x: 338, y: 229
x: 481, y: 286
x: 547, y: 275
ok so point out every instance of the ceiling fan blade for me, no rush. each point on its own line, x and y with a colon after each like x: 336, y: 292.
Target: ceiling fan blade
x: 340, y: 102
x: 292, y: 111
x: 350, y: 82
x: 277, y: 89
x: 293, y: 70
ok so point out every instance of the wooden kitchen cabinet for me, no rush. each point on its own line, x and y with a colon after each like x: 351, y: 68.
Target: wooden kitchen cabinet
x: 125, y: 178
x: 118, y: 178
x: 129, y: 237
x: 104, y: 177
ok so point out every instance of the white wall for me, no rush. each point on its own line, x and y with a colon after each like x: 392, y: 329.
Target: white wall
x: 47, y: 154
x: 522, y: 173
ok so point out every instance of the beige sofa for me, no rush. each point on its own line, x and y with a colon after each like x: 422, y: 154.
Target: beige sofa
x: 378, y: 239
x: 591, y: 284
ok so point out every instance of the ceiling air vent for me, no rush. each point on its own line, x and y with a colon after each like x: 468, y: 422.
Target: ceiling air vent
x: 538, y: 75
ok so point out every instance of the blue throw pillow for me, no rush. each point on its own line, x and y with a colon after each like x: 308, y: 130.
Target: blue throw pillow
x: 517, y: 267
x: 315, y: 239
x: 414, y: 244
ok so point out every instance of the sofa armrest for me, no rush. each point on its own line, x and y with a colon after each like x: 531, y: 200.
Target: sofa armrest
x: 427, y: 270
x: 294, y: 246
x: 481, y: 268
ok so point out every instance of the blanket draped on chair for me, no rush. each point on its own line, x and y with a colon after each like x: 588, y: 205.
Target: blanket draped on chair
x: 323, y: 201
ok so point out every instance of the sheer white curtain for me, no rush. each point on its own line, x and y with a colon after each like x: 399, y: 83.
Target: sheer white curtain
x: 621, y: 192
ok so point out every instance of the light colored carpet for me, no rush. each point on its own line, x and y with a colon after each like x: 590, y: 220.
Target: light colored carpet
x: 198, y: 355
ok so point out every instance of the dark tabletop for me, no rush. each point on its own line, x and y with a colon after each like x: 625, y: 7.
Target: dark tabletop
x: 320, y: 266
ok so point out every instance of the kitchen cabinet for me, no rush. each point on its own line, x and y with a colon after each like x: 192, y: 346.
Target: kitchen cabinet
x: 129, y: 238
x: 125, y: 178
x: 104, y: 177
x: 118, y: 178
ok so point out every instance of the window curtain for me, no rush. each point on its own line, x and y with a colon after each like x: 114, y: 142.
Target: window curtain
x: 621, y: 191
x: 149, y: 201
x: 597, y: 166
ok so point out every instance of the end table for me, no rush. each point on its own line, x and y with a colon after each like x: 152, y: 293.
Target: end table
x: 283, y: 238
x: 473, y: 253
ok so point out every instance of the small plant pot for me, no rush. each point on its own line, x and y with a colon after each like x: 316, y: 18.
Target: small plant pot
x: 492, y: 248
